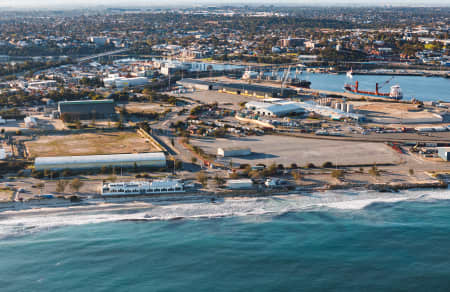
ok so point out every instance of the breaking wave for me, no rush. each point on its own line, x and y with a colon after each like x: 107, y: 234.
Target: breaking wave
x: 21, y: 222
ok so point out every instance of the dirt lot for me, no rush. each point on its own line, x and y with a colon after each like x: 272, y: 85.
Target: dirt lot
x: 210, y: 96
x: 287, y: 150
x: 395, y: 113
x: 88, y: 144
x: 143, y: 107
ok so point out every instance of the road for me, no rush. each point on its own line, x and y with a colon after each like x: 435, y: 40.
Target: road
x: 434, y: 137
x: 164, y: 134
x: 87, y: 58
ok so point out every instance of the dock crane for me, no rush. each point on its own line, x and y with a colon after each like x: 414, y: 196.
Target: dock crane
x: 389, y: 80
x: 284, y: 79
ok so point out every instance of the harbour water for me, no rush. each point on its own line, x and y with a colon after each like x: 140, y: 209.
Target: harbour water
x: 420, y: 87
x: 335, y: 241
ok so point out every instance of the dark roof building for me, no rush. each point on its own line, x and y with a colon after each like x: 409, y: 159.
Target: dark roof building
x: 87, y: 109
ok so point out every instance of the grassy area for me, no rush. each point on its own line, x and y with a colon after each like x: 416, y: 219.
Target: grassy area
x: 89, y: 144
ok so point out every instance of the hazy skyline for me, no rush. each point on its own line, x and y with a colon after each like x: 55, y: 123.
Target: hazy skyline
x: 184, y: 3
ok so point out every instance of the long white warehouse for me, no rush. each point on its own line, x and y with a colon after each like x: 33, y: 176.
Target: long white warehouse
x: 142, y: 188
x: 155, y: 159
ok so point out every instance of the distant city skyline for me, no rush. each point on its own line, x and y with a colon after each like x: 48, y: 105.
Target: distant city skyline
x: 190, y: 3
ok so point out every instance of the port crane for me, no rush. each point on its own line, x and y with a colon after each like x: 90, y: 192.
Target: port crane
x: 284, y: 79
x: 389, y: 80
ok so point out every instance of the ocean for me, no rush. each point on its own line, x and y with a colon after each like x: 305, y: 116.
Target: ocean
x: 332, y: 241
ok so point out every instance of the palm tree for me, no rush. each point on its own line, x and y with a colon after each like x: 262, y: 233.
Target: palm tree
x: 40, y: 186
x: 219, y: 181
x: 202, y: 178
x: 61, y: 186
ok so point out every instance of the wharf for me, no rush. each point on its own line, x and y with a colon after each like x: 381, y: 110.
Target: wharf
x: 426, y: 73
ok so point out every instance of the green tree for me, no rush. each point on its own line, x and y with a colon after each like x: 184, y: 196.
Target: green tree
x: 178, y: 164
x: 271, y: 170
x: 297, y: 175
x: 255, y: 174
x: 76, y: 184
x: 337, y: 174
x: 220, y: 182
x: 234, y: 175
x: 310, y: 165
x: 327, y: 164
x: 40, y: 187
x: 61, y: 186
x: 374, y: 171
x: 202, y: 178
x: 119, y: 124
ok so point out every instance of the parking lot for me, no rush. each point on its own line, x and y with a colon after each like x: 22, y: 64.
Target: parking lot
x: 210, y: 96
x: 286, y: 150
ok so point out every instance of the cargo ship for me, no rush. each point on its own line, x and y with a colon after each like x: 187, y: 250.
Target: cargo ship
x: 248, y: 75
x: 395, y: 92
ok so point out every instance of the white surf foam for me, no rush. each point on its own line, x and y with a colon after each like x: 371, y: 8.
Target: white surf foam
x: 437, y: 195
x: 32, y: 220
x: 361, y: 204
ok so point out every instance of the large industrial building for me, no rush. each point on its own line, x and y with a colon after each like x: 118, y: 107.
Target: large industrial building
x: 121, y: 82
x: 275, y: 109
x: 154, y: 160
x: 87, y: 109
x: 260, y: 91
x: 197, y: 84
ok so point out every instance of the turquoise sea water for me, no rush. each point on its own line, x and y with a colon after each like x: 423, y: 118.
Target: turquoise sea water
x: 351, y: 242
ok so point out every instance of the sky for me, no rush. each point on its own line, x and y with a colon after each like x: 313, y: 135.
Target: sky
x: 159, y: 3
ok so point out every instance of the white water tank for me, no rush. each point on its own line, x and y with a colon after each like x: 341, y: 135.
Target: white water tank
x: 349, y: 108
x: 30, y: 122
x: 239, y: 184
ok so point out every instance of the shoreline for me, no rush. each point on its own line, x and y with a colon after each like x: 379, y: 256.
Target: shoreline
x: 434, y: 73
x: 208, y: 196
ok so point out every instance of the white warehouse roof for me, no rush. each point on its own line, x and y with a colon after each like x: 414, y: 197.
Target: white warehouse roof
x: 90, y: 161
x: 277, y: 109
x: 123, y: 81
